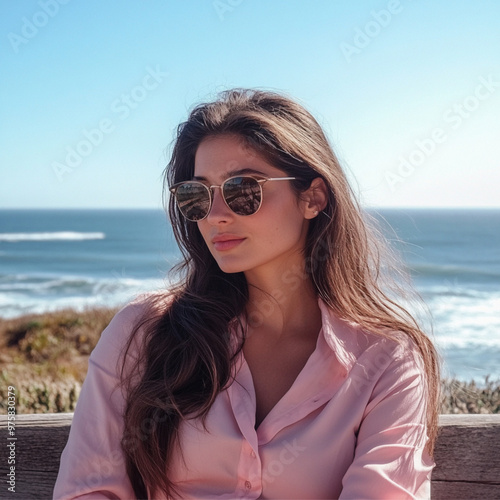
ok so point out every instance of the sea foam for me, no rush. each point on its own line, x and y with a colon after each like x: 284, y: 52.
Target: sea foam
x: 56, y: 236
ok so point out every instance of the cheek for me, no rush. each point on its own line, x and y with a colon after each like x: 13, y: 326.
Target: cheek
x: 283, y: 228
x: 286, y: 217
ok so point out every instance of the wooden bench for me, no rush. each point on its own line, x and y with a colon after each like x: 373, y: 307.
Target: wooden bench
x: 467, y: 456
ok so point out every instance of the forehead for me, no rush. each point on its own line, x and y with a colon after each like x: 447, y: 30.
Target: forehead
x: 220, y: 157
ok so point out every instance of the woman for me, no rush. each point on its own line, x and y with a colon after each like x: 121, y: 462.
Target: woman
x: 277, y: 367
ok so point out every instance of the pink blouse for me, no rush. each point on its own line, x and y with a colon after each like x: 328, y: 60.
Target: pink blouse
x: 352, y: 426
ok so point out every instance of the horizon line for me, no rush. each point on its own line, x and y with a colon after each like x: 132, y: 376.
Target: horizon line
x: 367, y: 207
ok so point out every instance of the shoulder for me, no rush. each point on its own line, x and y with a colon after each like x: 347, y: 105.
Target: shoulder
x: 389, y: 352
x: 351, y: 341
x: 125, y: 334
x: 383, y: 371
x: 390, y: 369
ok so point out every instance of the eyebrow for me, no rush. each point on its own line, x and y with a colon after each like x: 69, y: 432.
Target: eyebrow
x: 233, y: 173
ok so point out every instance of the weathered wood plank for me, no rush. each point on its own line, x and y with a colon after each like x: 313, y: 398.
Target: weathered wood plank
x: 39, y: 419
x: 468, y: 449
x: 462, y: 490
x: 38, y: 447
x: 460, y: 420
x: 467, y: 456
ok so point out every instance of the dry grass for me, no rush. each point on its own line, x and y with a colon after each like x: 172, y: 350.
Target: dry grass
x: 470, y: 397
x: 45, y: 358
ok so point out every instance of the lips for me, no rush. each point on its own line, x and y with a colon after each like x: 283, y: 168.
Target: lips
x: 223, y: 242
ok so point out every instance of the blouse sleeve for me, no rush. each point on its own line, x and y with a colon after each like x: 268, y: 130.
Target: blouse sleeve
x: 390, y: 460
x: 92, y: 463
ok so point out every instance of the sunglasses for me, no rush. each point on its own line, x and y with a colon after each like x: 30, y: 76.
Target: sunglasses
x: 242, y: 194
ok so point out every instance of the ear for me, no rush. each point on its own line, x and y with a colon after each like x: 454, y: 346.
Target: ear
x: 315, y: 198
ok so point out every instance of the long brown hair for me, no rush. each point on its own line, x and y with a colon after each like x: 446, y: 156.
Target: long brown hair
x: 187, y: 354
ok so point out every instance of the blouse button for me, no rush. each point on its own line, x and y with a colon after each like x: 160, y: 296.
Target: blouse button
x: 252, y: 454
x: 248, y: 485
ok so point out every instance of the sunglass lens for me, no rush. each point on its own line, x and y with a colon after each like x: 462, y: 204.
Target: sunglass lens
x: 243, y: 195
x: 193, y: 200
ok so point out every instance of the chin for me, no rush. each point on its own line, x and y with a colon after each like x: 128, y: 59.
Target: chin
x: 231, y: 266
x: 230, y: 269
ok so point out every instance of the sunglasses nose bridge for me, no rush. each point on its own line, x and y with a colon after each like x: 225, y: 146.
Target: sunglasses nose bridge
x: 218, y: 204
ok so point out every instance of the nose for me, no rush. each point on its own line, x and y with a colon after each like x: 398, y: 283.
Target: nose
x: 219, y: 211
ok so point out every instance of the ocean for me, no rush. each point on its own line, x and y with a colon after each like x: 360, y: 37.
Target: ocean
x: 50, y: 259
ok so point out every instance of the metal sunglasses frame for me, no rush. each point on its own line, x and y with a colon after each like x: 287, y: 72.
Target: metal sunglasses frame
x: 260, y: 182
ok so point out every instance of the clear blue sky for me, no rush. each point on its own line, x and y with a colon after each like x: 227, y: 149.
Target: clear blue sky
x: 408, y: 92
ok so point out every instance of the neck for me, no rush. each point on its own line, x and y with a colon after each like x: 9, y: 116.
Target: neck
x: 283, y: 302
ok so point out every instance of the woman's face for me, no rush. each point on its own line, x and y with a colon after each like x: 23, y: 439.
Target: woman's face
x: 271, y: 239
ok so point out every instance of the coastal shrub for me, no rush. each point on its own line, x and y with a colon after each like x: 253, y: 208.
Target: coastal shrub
x: 34, y: 396
x: 470, y: 397
x: 45, y: 358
